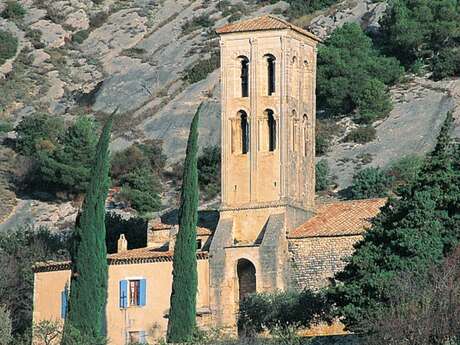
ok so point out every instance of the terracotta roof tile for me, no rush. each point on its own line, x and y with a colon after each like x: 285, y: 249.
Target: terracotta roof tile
x: 267, y: 22
x: 141, y: 255
x: 340, y: 219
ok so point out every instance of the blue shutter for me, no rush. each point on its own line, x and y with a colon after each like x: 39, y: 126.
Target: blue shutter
x: 142, y: 292
x: 142, y: 338
x: 123, y: 294
x: 64, y: 303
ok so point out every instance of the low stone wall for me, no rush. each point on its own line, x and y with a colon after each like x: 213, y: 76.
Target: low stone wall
x: 314, y: 260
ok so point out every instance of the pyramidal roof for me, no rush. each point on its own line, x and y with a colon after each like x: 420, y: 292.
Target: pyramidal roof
x: 267, y: 22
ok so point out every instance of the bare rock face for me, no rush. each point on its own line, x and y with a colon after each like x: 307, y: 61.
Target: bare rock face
x: 365, y: 12
x: 53, y: 35
x: 419, y: 110
x: 121, y: 31
x: 77, y: 20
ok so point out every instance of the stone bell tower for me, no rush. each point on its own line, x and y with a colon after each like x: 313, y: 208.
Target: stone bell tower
x: 268, y: 73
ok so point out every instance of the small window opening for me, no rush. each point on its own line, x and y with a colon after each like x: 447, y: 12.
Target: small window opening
x: 134, y: 286
x: 271, y: 124
x: 244, y: 77
x: 305, y: 134
x: 244, y: 133
x: 271, y: 74
x: 199, y: 244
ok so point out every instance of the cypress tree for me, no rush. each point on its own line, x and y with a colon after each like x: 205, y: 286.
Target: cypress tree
x: 88, y: 286
x: 412, y: 233
x: 182, y: 315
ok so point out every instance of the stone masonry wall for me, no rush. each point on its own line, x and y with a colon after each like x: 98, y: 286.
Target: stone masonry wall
x: 314, y: 260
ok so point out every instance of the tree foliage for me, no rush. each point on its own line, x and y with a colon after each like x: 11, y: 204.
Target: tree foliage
x: 88, y: 286
x: 353, y: 76
x: 138, y: 169
x: 182, y: 316
x: 370, y: 183
x: 20, y: 249
x: 13, y: 10
x: 6, y: 328
x: 69, y: 165
x: 63, y: 156
x: 411, y: 233
x: 426, y: 30
x: 8, y: 46
x: 423, y: 309
x: 323, y: 177
x: 267, y: 311
x: 209, y: 171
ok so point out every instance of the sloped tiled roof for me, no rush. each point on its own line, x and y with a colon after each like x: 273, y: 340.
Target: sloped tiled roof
x: 133, y: 256
x: 200, y: 231
x: 267, y: 22
x: 340, y: 218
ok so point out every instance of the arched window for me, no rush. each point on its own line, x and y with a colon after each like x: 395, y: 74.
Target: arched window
x: 244, y: 76
x: 271, y: 74
x: 271, y: 126
x: 244, y: 125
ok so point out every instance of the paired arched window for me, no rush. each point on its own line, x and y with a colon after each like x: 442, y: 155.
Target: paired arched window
x: 244, y: 127
x: 271, y: 127
x: 271, y: 79
x: 244, y: 76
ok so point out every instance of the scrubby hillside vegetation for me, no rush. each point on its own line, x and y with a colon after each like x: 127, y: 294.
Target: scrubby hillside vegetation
x: 386, y: 78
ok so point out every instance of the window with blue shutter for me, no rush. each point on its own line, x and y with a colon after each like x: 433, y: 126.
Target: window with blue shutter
x: 123, y: 294
x: 142, y: 338
x: 142, y: 292
x: 64, y: 302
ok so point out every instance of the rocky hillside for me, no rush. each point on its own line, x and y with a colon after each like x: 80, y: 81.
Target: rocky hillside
x: 155, y: 61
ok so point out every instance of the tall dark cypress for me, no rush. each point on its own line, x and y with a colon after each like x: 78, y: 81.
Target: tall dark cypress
x: 182, y: 316
x: 88, y: 286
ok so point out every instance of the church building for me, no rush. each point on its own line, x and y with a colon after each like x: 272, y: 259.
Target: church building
x: 271, y: 234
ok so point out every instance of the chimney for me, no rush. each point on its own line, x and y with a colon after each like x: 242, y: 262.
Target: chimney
x: 122, y: 244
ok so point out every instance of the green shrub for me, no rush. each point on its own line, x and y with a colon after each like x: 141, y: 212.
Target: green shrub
x: 5, y: 325
x: 68, y: 165
x: 80, y: 36
x: 413, y: 30
x: 202, y: 68
x: 98, y: 19
x: 262, y: 311
x: 370, y: 183
x: 326, y: 129
x: 405, y: 170
x: 140, y: 188
x: 209, y: 172
x: 8, y: 46
x: 352, y: 75
x: 201, y: 21
x: 5, y: 127
x: 34, y: 37
x: 38, y: 131
x: 372, y: 101
x: 300, y: 8
x: 446, y: 63
x: 323, y: 178
x: 149, y: 154
x: 361, y: 135
x: 13, y: 10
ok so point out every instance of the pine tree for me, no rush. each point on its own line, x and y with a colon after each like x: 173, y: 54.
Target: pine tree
x: 411, y: 233
x: 182, y: 316
x: 88, y: 287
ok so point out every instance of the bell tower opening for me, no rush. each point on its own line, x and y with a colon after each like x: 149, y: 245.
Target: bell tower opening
x: 244, y: 76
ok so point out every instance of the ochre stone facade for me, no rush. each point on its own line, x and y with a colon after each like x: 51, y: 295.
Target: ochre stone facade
x: 270, y: 234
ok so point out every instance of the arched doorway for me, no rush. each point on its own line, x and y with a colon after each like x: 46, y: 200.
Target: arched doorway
x: 246, y: 278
